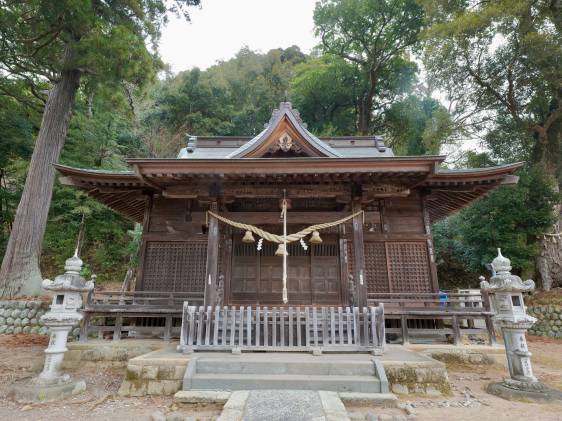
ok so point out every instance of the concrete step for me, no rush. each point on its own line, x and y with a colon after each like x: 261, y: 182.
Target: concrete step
x: 294, y: 366
x: 335, y: 383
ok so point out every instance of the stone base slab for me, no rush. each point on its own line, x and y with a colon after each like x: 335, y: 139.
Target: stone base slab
x: 104, y: 353
x: 546, y: 395
x: 411, y: 372
x: 385, y: 400
x: 33, y: 392
x: 202, y: 396
x: 156, y: 373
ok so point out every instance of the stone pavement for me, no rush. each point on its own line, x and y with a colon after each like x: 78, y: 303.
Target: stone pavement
x: 284, y: 405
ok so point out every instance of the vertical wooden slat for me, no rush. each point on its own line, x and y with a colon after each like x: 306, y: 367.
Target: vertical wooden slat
x: 282, y: 326
x: 241, y: 327
x: 374, y: 333
x: 340, y: 323
x: 200, y: 319
x: 315, y: 325
x: 249, y: 326
x: 365, y: 327
x: 266, y: 327
x: 168, y: 328
x: 456, y: 330
x: 291, y: 326
x: 405, y: 337
x: 224, y: 324
x: 332, y: 327
x: 232, y: 325
x: 299, y: 341
x: 491, y: 330
x: 258, y: 325
x: 356, y: 325
x: 118, y: 326
x: 349, y: 330
x: 274, y: 327
x: 324, y: 327
x: 216, y: 327
x: 191, y: 333
x: 306, y: 327
x: 208, y: 317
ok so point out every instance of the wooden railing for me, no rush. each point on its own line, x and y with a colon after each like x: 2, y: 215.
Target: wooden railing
x: 150, y: 313
x: 282, y: 329
x: 454, y: 314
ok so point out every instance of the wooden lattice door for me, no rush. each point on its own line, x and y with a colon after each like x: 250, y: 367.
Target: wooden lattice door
x: 313, y: 275
x: 174, y: 266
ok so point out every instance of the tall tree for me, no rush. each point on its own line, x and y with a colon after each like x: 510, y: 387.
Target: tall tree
x: 374, y: 36
x: 503, y: 59
x: 63, y: 42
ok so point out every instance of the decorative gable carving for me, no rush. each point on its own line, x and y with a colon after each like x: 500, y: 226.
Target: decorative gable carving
x: 285, y: 134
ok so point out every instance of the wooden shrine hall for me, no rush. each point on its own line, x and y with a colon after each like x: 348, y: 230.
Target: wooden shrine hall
x: 383, y: 254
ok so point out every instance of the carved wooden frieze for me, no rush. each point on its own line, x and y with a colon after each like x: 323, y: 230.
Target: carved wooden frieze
x: 378, y: 191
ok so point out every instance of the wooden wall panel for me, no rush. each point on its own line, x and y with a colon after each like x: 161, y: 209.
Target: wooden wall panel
x: 404, y: 215
x: 408, y: 266
x: 375, y: 267
x: 174, y: 266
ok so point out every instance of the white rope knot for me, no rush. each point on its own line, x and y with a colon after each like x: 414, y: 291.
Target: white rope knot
x: 274, y: 238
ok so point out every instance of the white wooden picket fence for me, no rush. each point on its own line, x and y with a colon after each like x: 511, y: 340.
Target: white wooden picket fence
x: 282, y: 329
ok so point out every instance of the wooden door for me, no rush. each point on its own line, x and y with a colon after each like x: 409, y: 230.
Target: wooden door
x: 325, y: 272
x: 313, y: 275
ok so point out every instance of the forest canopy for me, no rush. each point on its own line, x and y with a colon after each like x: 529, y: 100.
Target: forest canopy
x: 410, y: 79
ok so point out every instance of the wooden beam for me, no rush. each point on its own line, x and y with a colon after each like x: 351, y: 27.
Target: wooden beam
x: 212, y: 259
x: 359, y: 256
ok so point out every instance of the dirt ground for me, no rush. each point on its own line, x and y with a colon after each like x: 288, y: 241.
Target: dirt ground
x: 22, y: 356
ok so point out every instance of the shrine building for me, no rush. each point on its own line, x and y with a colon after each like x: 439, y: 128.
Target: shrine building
x: 382, y: 248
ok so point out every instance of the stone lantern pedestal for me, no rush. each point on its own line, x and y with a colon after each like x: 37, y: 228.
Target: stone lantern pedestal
x: 511, y: 317
x: 52, y: 384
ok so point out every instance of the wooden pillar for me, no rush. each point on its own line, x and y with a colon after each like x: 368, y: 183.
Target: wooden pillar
x: 359, y: 256
x: 430, y: 248
x: 145, y: 227
x: 212, y: 259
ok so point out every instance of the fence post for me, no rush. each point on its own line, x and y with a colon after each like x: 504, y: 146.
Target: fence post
x: 183, y: 346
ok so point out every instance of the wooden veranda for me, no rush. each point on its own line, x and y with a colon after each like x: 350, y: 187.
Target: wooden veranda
x: 408, y: 317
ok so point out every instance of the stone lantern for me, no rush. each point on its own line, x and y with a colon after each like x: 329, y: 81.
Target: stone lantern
x: 511, y: 317
x: 63, y: 315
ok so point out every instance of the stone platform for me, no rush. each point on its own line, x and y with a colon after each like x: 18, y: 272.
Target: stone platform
x: 104, y: 353
x: 162, y: 372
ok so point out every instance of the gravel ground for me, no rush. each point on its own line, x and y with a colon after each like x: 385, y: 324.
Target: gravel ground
x: 22, y: 357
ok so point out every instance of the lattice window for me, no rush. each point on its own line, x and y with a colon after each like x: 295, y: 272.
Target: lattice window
x: 375, y: 267
x: 408, y: 266
x: 175, y: 266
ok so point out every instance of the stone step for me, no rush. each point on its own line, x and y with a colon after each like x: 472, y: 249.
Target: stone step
x: 335, y: 383
x: 294, y: 366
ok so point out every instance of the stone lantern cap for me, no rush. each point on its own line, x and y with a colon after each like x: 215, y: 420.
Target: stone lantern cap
x: 503, y: 280
x: 71, y: 280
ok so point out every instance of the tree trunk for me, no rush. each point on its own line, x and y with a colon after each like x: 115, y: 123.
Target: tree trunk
x: 20, y: 273
x: 549, y: 261
x: 365, y: 110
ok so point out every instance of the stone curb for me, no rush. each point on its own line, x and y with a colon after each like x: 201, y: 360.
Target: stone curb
x: 234, y: 408
x: 334, y: 408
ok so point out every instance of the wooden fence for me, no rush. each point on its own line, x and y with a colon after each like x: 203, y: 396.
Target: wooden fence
x: 419, y: 316
x: 139, y: 313
x: 282, y: 329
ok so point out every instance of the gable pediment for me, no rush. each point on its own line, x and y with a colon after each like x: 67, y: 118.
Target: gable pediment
x: 284, y: 136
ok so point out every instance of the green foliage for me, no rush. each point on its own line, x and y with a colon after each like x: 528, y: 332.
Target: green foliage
x: 502, y: 59
x: 374, y: 37
x: 511, y: 217
x: 325, y: 90
x: 234, y: 97
x: 417, y: 126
